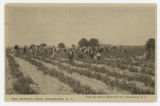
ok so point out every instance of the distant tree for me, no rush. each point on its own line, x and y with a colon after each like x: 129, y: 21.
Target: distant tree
x: 150, y: 46
x: 61, y: 45
x: 83, y: 42
x: 93, y: 42
x: 43, y: 45
x: 32, y: 46
x: 150, y: 43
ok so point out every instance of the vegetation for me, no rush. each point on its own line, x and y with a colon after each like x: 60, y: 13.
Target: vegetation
x: 73, y: 83
x: 123, y: 82
x: 83, y: 42
x: 61, y: 45
x: 93, y: 42
x: 43, y: 44
x: 125, y: 72
x: 22, y: 83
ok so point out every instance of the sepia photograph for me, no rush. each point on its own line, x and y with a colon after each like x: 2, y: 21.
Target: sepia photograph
x: 80, y: 52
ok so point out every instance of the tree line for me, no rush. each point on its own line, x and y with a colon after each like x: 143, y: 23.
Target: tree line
x: 93, y: 42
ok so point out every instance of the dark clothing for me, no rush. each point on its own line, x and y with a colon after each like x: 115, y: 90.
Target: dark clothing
x: 70, y: 56
x: 91, y: 54
x: 16, y: 50
x: 24, y: 50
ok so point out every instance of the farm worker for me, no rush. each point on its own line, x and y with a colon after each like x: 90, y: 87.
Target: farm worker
x: 70, y: 56
x: 91, y: 54
x: 54, y: 52
x: 16, y: 49
x: 98, y: 55
x: 24, y: 50
x: 12, y: 50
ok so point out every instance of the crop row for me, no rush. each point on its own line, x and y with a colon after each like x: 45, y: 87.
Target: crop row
x: 146, y: 69
x: 22, y: 83
x: 73, y: 83
x: 118, y: 83
x: 146, y: 79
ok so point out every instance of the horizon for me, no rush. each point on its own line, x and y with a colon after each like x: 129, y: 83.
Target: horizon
x: 100, y: 44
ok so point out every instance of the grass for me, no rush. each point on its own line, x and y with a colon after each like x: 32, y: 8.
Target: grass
x: 73, y: 83
x: 125, y: 84
x: 125, y: 65
x: 22, y: 84
x: 146, y: 79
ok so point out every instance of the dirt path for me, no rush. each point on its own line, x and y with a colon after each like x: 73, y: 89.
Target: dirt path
x: 46, y: 83
x: 93, y: 83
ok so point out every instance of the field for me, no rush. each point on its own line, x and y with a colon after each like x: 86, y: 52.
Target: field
x: 113, y: 74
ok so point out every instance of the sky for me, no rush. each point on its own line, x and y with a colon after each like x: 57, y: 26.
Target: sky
x: 115, y: 24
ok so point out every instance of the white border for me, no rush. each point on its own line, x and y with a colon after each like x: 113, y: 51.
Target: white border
x: 2, y: 3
